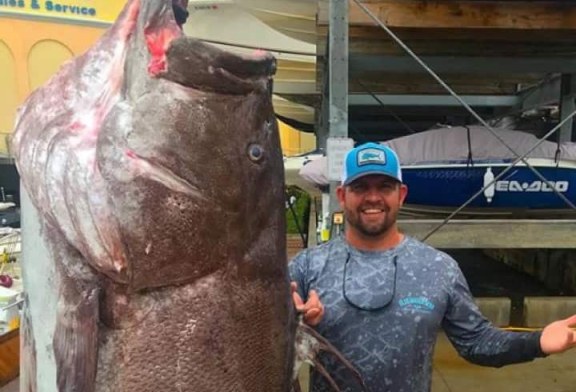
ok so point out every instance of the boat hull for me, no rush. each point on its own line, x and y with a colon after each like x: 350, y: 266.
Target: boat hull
x: 453, y: 184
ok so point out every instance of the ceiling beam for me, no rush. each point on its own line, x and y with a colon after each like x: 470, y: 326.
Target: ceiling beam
x: 503, y: 35
x: 496, y: 233
x: 410, y: 83
x: 447, y: 64
x: 457, y: 46
x: 432, y: 100
x: 523, y: 15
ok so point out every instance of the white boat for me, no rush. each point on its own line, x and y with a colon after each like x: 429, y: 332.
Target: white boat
x: 444, y: 168
x: 295, y: 18
x: 294, y: 111
x: 231, y: 25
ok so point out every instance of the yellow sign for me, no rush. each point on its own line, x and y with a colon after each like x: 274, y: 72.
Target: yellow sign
x: 99, y: 11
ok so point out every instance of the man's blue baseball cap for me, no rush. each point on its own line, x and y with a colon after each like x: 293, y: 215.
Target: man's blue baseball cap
x: 371, y: 158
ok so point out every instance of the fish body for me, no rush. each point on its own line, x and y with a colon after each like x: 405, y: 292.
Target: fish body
x: 154, y: 163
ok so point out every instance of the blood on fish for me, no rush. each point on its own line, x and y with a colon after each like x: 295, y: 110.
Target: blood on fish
x: 130, y: 154
x: 258, y: 53
x: 76, y: 127
x: 158, y: 42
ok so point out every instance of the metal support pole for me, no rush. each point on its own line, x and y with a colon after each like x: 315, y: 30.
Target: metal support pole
x: 323, y: 114
x: 322, y: 133
x: 567, y: 106
x: 337, y: 80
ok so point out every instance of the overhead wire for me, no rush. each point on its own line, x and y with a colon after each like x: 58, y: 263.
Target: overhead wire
x: 388, y: 110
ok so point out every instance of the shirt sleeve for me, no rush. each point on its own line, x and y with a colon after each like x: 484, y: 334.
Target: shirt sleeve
x: 477, y: 340
x: 298, y: 270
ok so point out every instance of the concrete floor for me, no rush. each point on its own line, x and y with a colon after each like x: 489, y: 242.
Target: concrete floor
x: 453, y: 374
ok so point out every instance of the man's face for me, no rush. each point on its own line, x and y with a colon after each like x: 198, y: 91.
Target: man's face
x: 371, y: 203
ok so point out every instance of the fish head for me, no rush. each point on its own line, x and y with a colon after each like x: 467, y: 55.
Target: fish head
x: 156, y: 155
x: 192, y: 159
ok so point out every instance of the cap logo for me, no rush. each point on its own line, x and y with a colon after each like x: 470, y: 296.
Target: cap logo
x: 371, y: 156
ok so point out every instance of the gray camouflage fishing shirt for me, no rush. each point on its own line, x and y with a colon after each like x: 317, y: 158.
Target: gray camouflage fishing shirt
x: 384, y: 309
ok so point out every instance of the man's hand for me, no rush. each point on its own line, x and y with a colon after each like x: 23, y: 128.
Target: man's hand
x: 313, y: 309
x: 558, y: 336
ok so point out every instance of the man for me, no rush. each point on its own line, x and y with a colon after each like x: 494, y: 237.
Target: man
x: 380, y: 297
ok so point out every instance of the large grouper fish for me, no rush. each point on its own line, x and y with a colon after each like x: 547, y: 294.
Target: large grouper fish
x: 154, y: 164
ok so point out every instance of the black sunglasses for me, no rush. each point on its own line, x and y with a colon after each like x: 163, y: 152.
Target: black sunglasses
x: 369, y: 300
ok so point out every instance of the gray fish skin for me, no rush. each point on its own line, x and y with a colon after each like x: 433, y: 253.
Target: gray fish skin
x: 155, y: 163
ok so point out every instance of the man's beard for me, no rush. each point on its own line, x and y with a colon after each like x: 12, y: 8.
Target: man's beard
x: 354, y: 218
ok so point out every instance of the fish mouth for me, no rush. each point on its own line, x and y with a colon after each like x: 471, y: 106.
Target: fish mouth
x: 193, y: 63
x: 196, y: 64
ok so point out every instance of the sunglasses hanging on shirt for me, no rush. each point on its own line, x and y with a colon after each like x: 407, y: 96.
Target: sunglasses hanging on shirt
x: 369, y: 289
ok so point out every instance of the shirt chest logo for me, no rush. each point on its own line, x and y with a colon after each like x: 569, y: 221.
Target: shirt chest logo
x: 419, y: 304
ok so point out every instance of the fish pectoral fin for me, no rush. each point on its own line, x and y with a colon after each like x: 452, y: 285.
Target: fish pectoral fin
x: 76, y: 341
x: 309, y: 344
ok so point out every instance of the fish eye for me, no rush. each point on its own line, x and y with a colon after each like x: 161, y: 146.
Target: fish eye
x: 255, y: 152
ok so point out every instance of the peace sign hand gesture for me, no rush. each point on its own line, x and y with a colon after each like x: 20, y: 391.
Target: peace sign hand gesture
x: 313, y: 310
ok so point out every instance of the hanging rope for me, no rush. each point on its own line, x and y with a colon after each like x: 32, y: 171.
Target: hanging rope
x: 470, y: 161
x: 558, y: 151
x: 557, y: 154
